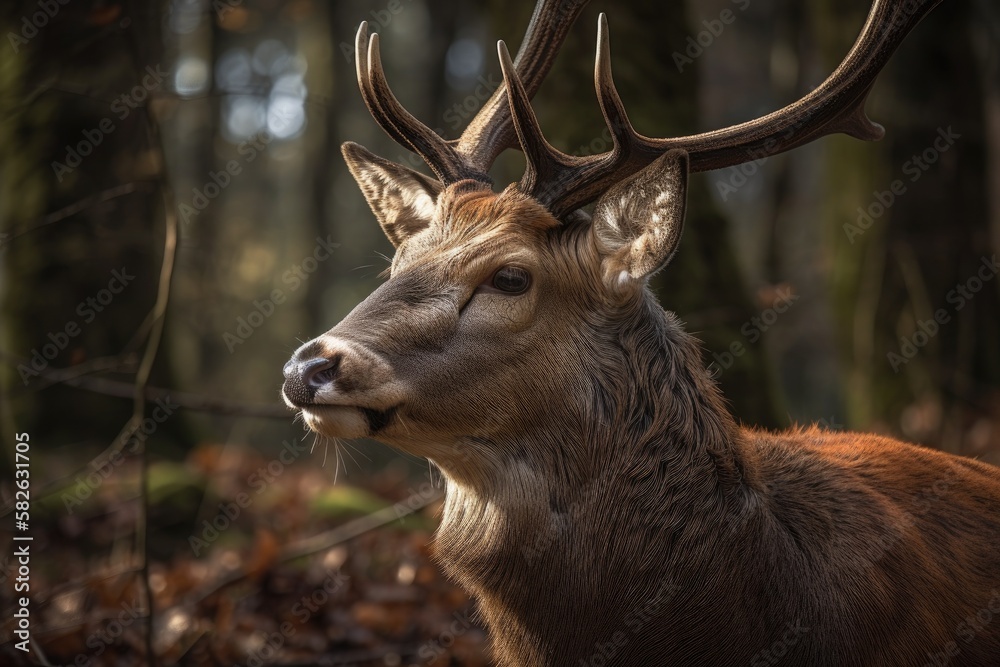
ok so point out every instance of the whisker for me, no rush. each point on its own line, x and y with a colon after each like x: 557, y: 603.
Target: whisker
x: 358, y: 451
x: 340, y: 452
x: 336, y: 458
x: 347, y: 452
x: 402, y: 422
x: 318, y: 439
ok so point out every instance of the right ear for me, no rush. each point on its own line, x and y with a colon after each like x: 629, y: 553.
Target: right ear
x: 638, y: 221
x: 402, y: 199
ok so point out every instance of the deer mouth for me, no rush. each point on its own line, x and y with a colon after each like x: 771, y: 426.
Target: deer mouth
x: 347, y: 421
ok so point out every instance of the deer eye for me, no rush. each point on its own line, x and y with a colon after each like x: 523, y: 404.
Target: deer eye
x: 511, y: 280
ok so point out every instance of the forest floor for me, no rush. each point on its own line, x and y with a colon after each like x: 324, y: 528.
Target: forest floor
x: 282, y: 567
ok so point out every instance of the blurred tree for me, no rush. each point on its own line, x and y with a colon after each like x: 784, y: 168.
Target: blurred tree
x: 912, y: 244
x: 82, y: 213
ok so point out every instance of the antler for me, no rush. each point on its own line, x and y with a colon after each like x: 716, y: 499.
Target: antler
x: 490, y: 132
x: 565, y: 182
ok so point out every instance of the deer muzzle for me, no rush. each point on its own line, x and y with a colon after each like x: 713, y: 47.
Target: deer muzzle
x: 343, y: 389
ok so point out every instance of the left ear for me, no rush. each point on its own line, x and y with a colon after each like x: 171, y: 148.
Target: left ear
x: 402, y: 199
x: 637, y: 223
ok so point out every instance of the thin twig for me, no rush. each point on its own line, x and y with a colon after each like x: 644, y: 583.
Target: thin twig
x: 81, y: 205
x: 349, y: 658
x: 142, y: 379
x: 158, y: 315
x: 185, y: 399
x: 36, y: 648
x: 82, y: 581
x: 348, y: 531
x: 324, y: 541
x: 124, y: 362
x: 119, y: 389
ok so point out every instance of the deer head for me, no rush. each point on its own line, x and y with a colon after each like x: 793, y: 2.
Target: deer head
x: 502, y: 310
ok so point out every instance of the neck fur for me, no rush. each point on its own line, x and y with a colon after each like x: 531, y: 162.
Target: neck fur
x: 647, y: 439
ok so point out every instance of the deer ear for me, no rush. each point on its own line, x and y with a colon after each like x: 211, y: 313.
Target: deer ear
x: 402, y: 199
x: 637, y: 223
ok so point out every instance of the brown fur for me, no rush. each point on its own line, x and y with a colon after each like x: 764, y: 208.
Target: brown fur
x: 602, y: 505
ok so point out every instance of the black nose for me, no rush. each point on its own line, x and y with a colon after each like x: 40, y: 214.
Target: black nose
x: 303, y: 377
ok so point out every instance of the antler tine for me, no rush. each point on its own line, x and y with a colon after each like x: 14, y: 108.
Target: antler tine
x: 398, y: 123
x: 837, y: 105
x: 585, y: 180
x: 559, y: 181
x: 490, y: 132
x: 529, y: 135
x: 544, y: 164
x: 367, y: 90
x: 564, y: 182
x: 611, y: 103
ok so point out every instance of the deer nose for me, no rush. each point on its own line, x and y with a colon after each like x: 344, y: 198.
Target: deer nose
x: 304, y: 377
x: 313, y: 372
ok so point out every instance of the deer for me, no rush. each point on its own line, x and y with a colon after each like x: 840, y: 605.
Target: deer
x: 602, y: 505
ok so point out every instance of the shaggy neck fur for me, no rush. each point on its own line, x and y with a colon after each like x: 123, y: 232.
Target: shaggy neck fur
x: 552, y: 537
